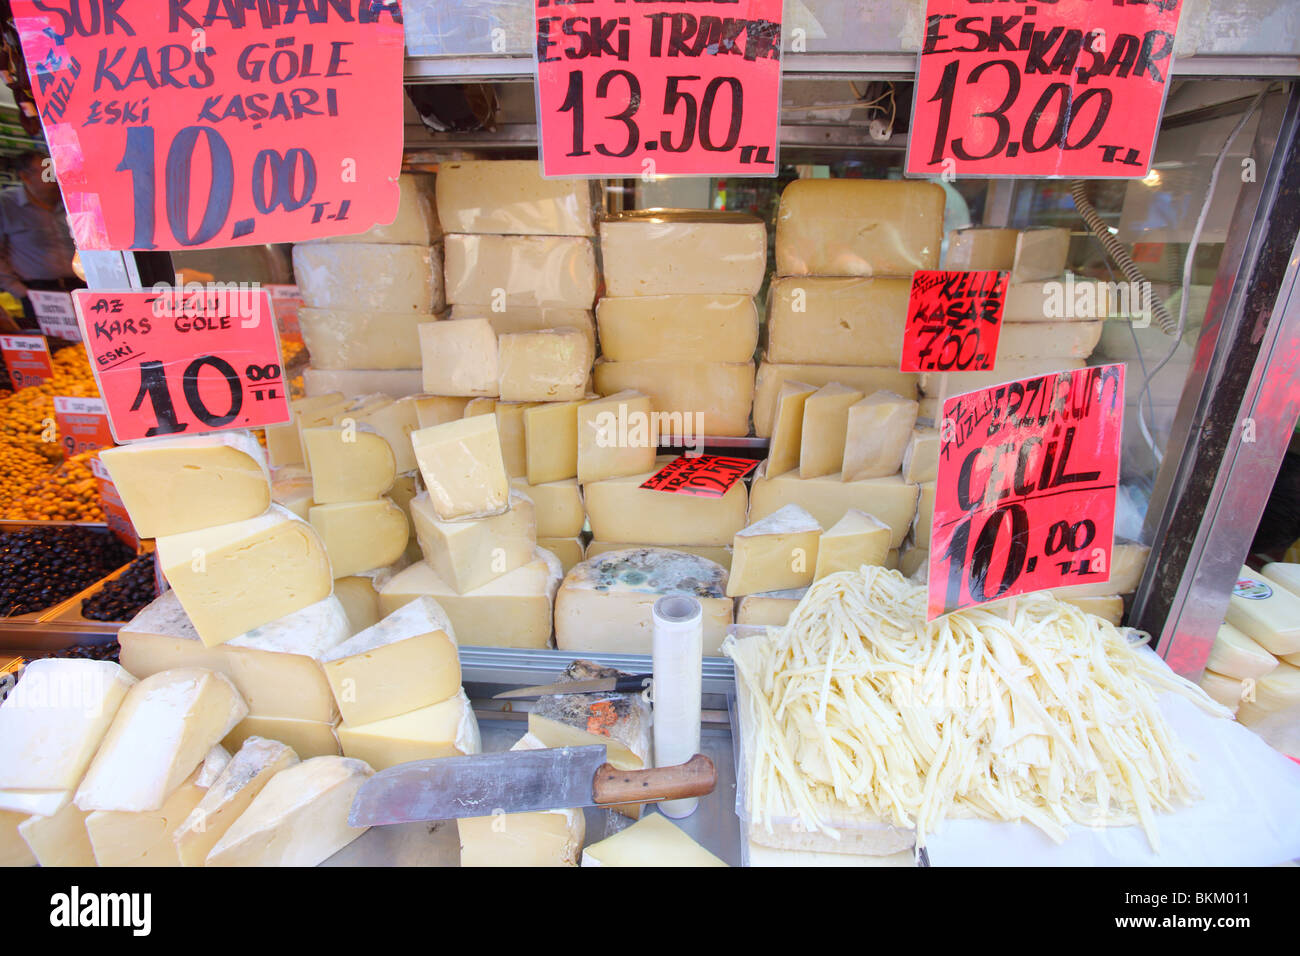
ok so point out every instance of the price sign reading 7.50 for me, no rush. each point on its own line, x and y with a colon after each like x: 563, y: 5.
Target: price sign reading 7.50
x: 630, y: 89
x: 1061, y: 88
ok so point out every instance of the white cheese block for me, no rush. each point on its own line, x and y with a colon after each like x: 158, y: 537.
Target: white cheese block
x: 308, y: 738
x: 173, y: 485
x: 512, y: 611
x: 568, y: 551
x: 274, y: 667
x: 438, y: 409
x: 858, y: 227
x: 827, y: 498
x: 551, y: 442
x: 552, y: 365
x: 300, y: 818
x: 837, y: 321
x: 1227, y: 691
x: 348, y: 463
x: 1276, y: 692
x: 338, y: 338
x: 604, y: 604
x: 1006, y: 371
x: 557, y: 506
x: 787, y: 427
x: 14, y: 851
x: 143, y: 837
x: 416, y: 222
x: 921, y: 456
x: 444, y: 729
x: 692, y: 398
x: 366, y: 276
x: 718, y: 554
x: 654, y: 840
x: 1284, y: 574
x: 247, y: 774
x: 462, y: 467
x: 542, y: 838
x: 683, y: 252
x: 1041, y: 253
x: 619, y: 509
x: 293, y: 494
x: 771, y: 377
x: 981, y: 247
x: 722, y: 327
x: 360, y: 535
x: 351, y: 382
x: 163, y: 730
x: 825, y: 424
x: 469, y: 553
x: 923, y: 525
x: 856, y: 539
x: 51, y: 725
x: 1236, y: 655
x: 529, y: 318
x: 1266, y: 612
x: 514, y: 446
x: 1036, y: 340
x: 770, y: 609
x: 511, y: 197
x: 1126, y: 564
x: 406, y: 661
x: 878, y: 432
x: 616, y: 436
x: 459, y: 357
x: 510, y: 271
x: 775, y: 553
x: 59, y: 839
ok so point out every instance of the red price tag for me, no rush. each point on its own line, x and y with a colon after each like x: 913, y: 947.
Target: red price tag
x: 82, y: 424
x: 119, y: 522
x: 1026, y: 487
x: 27, y: 357
x: 286, y: 300
x: 953, y: 320
x: 191, y: 125
x: 630, y: 90
x: 172, y: 362
x: 705, y: 476
x: 1069, y: 88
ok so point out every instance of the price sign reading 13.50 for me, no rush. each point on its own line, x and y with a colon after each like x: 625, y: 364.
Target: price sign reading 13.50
x: 628, y: 89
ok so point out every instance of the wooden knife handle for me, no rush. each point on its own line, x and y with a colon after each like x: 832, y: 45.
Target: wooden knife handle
x: 695, y: 778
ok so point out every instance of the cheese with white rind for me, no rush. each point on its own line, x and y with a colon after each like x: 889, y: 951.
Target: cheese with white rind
x: 723, y: 327
x: 515, y: 271
x: 557, y: 506
x: 459, y: 357
x: 60, y: 838
x: 775, y: 553
x: 438, y: 409
x: 856, y: 539
x: 406, y: 661
x: 360, y: 536
x: 368, y: 276
x: 652, y: 841
x: 978, y: 248
x: 348, y: 464
x: 825, y: 425
x: 619, y: 509
x: 1041, y: 253
x: 552, y: 365
x: 551, y: 442
x: 768, y: 609
x: 341, y: 338
x: 308, y: 738
x: 173, y: 485
x: 1236, y: 655
x: 300, y: 818
x: 837, y: 321
x: 718, y: 554
x: 1276, y: 692
x: 921, y: 456
x: 1266, y: 612
x: 827, y: 498
x: 787, y: 427
x: 530, y: 318
x: 690, y: 398
x: 879, y: 429
x: 462, y: 467
x: 445, y: 729
x: 604, y: 604
x: 771, y: 376
x: 416, y: 222
x: 163, y: 730
x: 469, y: 553
x: 858, y: 227
x: 511, y: 197
x: 569, y: 551
x: 143, y: 838
x: 683, y: 252
x: 397, y: 382
x: 616, y: 437
x: 244, y: 777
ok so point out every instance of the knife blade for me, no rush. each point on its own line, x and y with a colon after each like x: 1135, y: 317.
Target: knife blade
x: 519, y: 781
x: 631, y: 683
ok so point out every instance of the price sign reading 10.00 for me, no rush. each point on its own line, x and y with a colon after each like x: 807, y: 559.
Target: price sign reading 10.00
x: 187, y: 362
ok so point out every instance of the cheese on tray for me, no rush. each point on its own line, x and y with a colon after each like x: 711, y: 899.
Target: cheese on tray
x: 683, y: 252
x: 1266, y: 612
x: 469, y: 553
x: 445, y: 729
x: 557, y: 505
x: 772, y: 376
x: 397, y: 382
x: 619, y: 509
x: 616, y: 437
x: 510, y: 271
x: 858, y: 227
x: 510, y: 197
x: 652, y: 841
x: 837, y: 321
x: 721, y: 327
x: 691, y: 398
x: 856, y: 539
x: 416, y: 222
x: 551, y: 442
x: 879, y: 430
x: 604, y: 604
x: 551, y: 365
x: 462, y: 467
x: 365, y: 276
x: 787, y: 427
x: 308, y: 738
x: 173, y: 485
x: 360, y: 535
x: 348, y: 464
x: 300, y: 818
x: 459, y: 357
x: 1236, y: 655
x: 825, y: 423
x: 775, y: 553
x: 891, y: 500
x: 338, y: 338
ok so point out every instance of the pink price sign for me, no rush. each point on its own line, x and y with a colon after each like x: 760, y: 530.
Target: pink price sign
x: 629, y: 89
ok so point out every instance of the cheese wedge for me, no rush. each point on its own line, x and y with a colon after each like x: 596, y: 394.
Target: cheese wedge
x: 616, y: 436
x: 395, y: 421
x: 921, y: 456
x: 775, y: 553
x: 1236, y: 655
x: 444, y: 729
x: 787, y: 427
x: 856, y: 539
x: 360, y: 535
x: 529, y: 318
x: 825, y: 424
x: 557, y: 506
x: 551, y: 442
x: 981, y: 247
x: 569, y: 551
x: 348, y: 464
x: 510, y: 426
x: 878, y: 431
x: 13, y: 849
x: 293, y: 494
x: 770, y: 609
x: 772, y: 376
x: 282, y: 444
x: 1041, y: 253
x: 469, y: 553
x: 652, y: 841
x: 416, y: 222
x: 923, y: 524
x: 462, y: 467
x: 459, y: 357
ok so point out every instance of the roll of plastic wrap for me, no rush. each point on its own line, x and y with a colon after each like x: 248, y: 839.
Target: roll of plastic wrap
x: 678, y: 652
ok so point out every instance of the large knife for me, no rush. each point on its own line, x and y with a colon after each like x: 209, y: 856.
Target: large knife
x: 517, y: 781
x: 627, y: 683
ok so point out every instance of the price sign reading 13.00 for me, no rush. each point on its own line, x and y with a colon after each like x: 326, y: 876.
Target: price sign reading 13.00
x: 628, y: 89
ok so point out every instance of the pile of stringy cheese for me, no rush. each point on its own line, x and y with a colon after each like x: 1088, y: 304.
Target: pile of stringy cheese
x: 1049, y: 718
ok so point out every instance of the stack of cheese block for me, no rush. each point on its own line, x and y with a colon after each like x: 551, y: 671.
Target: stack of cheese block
x: 1254, y: 667
x: 365, y: 296
x: 678, y: 321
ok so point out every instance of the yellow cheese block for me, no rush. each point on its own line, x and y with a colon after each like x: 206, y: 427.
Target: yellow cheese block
x: 1236, y: 655
x: 459, y: 357
x: 293, y: 494
x: 143, y: 838
x: 1058, y: 300
x: 511, y: 271
x: 557, y: 505
x: 837, y: 321
x: 1266, y: 612
x: 914, y: 559
x: 308, y: 738
x: 551, y: 365
x: 348, y: 464
x: 551, y: 442
x: 568, y: 551
x: 1027, y: 340
x: 616, y: 437
x: 445, y: 729
x: 360, y: 535
x: 683, y: 252
x: 462, y: 467
x: 471, y: 552
x: 619, y: 509
x: 856, y: 539
x: 772, y: 609
x: 438, y: 409
x: 879, y: 428
x: 1127, y: 562
x: 282, y: 444
x: 653, y: 840
x: 692, y: 398
x: 509, y: 196
x: 787, y: 428
x: 825, y: 423
x: 827, y: 498
x: 772, y: 376
x: 342, y: 338
x: 722, y: 327
x: 514, y: 446
x: 775, y: 553
x: 395, y: 420
x: 1007, y: 370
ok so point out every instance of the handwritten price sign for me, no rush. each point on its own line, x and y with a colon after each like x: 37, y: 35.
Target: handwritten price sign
x: 82, y: 424
x: 625, y: 89
x: 187, y: 125
x: 1064, y: 88
x: 1026, y: 487
x: 194, y: 361
x: 705, y: 476
x: 953, y: 320
x: 27, y: 357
